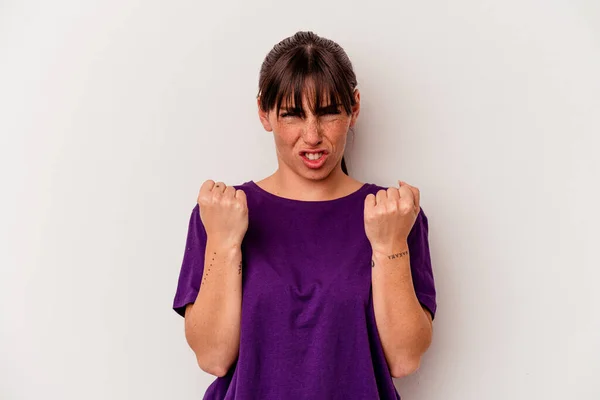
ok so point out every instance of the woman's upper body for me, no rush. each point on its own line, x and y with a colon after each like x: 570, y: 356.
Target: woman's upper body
x: 308, y: 327
x: 334, y: 292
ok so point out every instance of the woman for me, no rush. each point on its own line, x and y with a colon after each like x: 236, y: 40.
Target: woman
x: 307, y: 284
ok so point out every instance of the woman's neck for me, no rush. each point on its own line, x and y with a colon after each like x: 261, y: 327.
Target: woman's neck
x: 291, y: 185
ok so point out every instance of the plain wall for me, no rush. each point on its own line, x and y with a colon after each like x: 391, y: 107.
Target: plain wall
x: 112, y: 114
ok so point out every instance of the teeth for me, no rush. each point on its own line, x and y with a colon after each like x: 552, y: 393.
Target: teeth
x: 313, y: 156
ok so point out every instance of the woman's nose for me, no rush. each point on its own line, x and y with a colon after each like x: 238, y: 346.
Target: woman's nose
x: 312, y: 132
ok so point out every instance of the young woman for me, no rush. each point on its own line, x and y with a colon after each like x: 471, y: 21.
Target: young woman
x: 307, y: 284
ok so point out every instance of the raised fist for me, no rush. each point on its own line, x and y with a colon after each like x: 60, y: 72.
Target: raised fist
x: 224, y: 213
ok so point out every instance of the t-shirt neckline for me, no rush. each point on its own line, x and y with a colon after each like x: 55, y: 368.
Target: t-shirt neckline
x: 349, y: 196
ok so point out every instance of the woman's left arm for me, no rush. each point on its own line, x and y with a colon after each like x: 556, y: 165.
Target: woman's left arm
x: 404, y: 325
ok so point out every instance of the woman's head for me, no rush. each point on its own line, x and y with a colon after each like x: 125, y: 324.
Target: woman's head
x: 307, y: 96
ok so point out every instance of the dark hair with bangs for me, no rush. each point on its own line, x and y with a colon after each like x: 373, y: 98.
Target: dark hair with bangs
x: 301, y: 57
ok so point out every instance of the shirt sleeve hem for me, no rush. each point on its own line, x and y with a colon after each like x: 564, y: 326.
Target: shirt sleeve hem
x: 428, y: 302
x: 180, y: 304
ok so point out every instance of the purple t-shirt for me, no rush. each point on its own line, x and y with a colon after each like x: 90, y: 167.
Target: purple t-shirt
x: 307, y: 326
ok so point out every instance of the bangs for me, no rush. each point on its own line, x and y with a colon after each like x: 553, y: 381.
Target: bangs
x: 307, y: 70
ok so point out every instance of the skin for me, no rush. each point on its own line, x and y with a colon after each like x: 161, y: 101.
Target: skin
x: 293, y: 133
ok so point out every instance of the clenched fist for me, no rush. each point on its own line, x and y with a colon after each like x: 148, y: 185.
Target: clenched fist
x: 224, y: 213
x: 390, y: 216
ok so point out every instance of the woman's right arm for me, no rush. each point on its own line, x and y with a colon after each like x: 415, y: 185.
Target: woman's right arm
x: 212, y: 323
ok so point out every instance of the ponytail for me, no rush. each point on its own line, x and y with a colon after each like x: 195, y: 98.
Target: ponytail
x: 344, y: 166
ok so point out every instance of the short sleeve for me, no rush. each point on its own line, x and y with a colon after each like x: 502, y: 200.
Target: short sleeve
x: 192, y: 267
x: 420, y: 263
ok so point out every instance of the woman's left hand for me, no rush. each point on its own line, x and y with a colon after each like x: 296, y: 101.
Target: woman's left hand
x: 390, y: 216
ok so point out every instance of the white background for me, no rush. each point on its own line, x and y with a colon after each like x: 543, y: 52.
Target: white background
x: 112, y: 113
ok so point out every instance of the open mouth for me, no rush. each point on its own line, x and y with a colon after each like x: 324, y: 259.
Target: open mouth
x: 314, y: 159
x: 314, y: 156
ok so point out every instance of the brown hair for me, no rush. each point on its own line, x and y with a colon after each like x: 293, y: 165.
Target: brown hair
x: 302, y: 56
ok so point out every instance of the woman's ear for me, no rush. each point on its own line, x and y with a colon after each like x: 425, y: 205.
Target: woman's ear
x: 264, y: 117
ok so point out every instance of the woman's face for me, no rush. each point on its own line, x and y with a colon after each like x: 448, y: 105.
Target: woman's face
x: 311, y: 145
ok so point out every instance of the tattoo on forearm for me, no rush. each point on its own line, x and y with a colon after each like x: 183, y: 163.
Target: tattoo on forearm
x: 209, y: 265
x: 372, y: 263
x: 240, y: 268
x: 398, y: 255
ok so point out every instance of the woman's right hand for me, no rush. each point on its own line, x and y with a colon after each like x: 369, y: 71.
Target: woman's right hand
x: 224, y: 213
